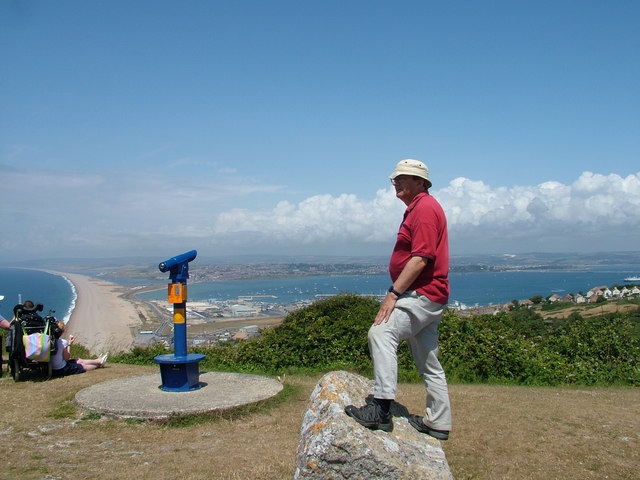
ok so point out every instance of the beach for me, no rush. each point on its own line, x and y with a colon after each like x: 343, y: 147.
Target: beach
x: 101, y: 320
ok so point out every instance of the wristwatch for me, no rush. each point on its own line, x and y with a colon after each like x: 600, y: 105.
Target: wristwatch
x: 395, y: 292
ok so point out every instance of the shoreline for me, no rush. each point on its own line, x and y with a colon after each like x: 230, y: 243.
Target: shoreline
x: 101, y: 320
x: 74, y: 298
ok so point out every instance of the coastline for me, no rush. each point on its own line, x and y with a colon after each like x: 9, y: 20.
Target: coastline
x: 74, y: 298
x: 101, y: 320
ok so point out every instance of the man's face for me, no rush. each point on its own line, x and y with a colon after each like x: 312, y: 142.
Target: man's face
x: 407, y: 187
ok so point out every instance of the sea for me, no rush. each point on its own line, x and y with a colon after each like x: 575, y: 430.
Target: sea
x: 55, y: 292
x: 471, y: 289
x: 467, y: 288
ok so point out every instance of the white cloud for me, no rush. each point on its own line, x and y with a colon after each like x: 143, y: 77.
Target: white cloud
x: 318, y: 219
x: 588, y: 213
x: 596, y: 212
x: 593, y: 199
x: 45, y: 213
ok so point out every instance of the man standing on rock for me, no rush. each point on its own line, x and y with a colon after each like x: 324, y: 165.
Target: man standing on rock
x: 412, y: 308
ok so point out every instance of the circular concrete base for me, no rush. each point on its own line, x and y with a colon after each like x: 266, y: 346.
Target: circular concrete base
x: 141, y: 396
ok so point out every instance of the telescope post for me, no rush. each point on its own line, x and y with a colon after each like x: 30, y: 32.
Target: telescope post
x: 179, y: 371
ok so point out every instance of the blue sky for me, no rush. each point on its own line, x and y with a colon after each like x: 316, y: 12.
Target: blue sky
x: 156, y: 127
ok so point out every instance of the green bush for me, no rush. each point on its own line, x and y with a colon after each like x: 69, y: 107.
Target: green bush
x: 483, y: 348
x: 517, y: 347
x: 599, y: 350
x: 328, y: 334
x: 503, y: 348
x: 79, y: 351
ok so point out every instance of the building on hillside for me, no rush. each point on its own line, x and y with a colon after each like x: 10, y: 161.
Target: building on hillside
x: 593, y: 298
x: 600, y: 291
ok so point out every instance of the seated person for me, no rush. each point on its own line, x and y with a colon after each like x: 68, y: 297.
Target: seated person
x: 61, y: 362
x: 4, y: 323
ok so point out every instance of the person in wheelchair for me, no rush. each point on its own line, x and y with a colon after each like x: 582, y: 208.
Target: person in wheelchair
x: 28, y: 313
x: 26, y: 322
x: 61, y: 361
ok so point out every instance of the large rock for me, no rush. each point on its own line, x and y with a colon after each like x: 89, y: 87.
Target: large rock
x: 333, y: 446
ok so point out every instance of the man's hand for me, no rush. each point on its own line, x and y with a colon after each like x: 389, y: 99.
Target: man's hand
x: 387, y: 306
x: 409, y: 273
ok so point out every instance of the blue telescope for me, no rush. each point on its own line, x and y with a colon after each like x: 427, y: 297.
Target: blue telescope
x: 179, y: 371
x: 178, y: 266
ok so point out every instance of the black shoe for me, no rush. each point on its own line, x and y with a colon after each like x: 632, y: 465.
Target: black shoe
x: 417, y: 423
x: 370, y: 416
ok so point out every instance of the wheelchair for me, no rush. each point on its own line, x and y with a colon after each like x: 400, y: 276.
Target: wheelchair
x: 27, y: 320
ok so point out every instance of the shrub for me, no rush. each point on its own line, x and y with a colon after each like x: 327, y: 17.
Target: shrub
x: 330, y: 333
x: 515, y: 347
x: 599, y: 350
x: 508, y: 349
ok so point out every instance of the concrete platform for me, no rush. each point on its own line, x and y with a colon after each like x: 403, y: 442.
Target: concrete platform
x: 140, y: 396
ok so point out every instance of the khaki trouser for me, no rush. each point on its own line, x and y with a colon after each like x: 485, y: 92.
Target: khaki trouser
x: 415, y: 319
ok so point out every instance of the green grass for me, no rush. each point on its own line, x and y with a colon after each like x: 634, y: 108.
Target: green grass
x: 65, y: 408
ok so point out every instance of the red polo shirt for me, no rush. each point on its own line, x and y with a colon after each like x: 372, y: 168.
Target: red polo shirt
x: 423, y: 233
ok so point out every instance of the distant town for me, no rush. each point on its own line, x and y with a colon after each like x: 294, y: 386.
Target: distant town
x: 263, y: 266
x: 243, y: 271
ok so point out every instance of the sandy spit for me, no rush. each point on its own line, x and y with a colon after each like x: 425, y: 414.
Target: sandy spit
x: 101, y: 320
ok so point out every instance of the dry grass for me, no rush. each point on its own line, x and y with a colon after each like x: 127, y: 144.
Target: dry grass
x: 500, y: 432
x: 591, y: 310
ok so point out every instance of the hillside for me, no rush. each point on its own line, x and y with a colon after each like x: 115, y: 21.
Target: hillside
x: 569, y: 431
x: 500, y: 432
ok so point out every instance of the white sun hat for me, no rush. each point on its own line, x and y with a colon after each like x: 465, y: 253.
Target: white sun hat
x: 412, y: 167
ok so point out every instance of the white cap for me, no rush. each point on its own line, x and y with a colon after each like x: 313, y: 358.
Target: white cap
x: 412, y: 167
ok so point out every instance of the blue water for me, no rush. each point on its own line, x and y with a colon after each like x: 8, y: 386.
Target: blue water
x: 468, y: 288
x: 52, y: 291
x: 55, y: 292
